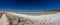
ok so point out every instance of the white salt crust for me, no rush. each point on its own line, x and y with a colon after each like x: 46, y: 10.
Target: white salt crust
x: 51, y: 19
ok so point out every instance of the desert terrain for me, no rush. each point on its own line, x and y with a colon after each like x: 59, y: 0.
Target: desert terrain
x: 30, y: 18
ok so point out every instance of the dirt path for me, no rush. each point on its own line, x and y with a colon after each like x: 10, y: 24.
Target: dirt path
x: 3, y: 20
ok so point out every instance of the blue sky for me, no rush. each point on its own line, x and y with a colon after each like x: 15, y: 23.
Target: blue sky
x: 29, y: 4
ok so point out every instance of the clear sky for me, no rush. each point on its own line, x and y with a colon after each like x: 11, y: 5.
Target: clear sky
x: 29, y: 4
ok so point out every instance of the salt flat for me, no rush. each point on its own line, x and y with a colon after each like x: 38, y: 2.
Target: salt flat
x: 38, y: 18
x: 36, y: 13
x: 49, y: 19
